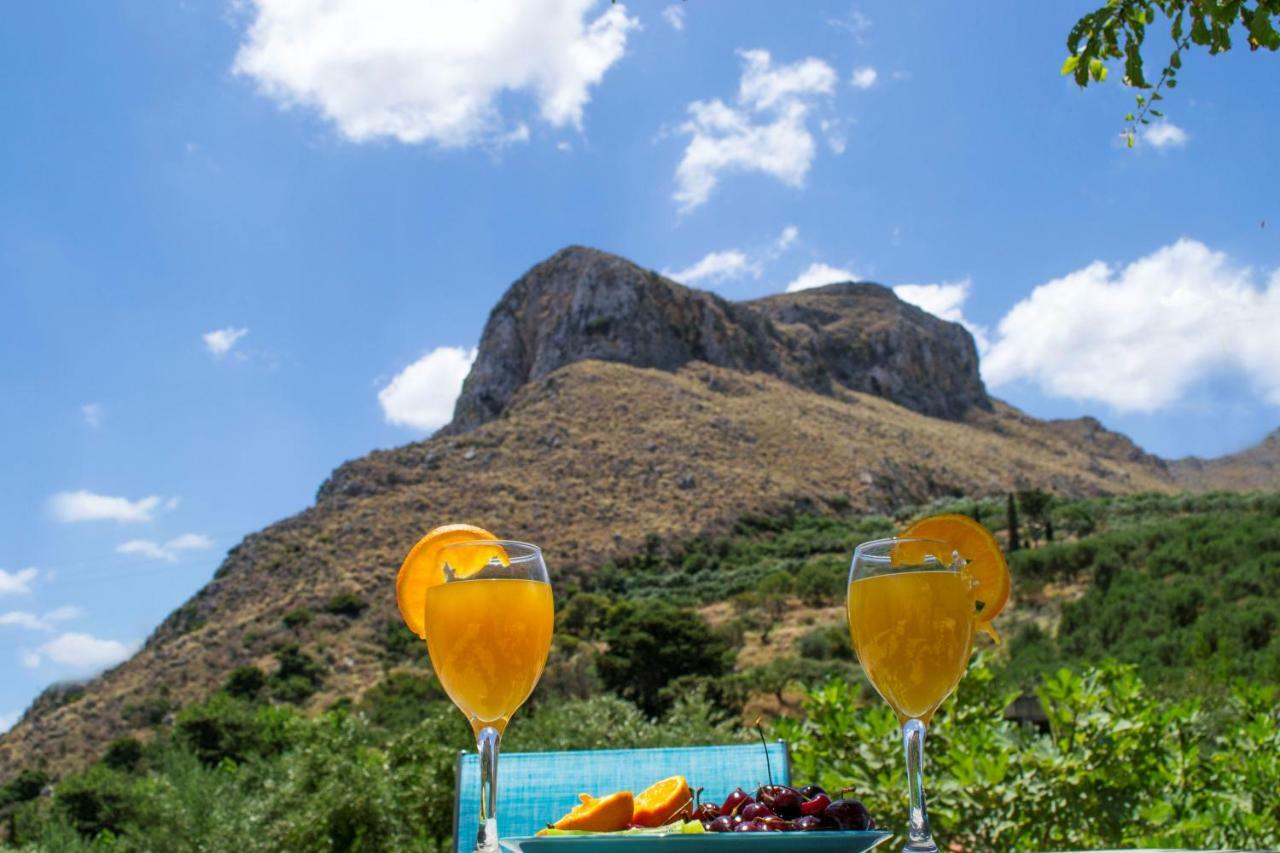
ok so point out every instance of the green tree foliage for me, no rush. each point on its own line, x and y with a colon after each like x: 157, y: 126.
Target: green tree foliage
x: 298, y: 677
x: 245, y: 682
x: 650, y: 644
x: 1116, y: 770
x: 1118, y: 29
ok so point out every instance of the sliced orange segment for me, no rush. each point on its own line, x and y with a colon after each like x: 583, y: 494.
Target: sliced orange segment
x: 423, y: 568
x: 600, y: 814
x: 985, y: 561
x: 662, y: 802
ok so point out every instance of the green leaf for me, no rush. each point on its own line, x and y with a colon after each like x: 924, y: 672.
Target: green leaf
x: 1129, y: 139
x: 1157, y: 114
x: 1098, y: 70
x: 1133, y: 67
x: 1070, y: 64
x: 1175, y: 61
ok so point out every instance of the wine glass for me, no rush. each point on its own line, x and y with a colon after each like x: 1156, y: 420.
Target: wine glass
x: 911, y: 617
x: 488, y: 631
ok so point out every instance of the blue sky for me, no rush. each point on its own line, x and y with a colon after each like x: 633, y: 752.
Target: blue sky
x: 239, y: 245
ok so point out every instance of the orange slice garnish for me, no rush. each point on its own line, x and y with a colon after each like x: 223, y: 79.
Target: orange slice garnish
x: 599, y: 814
x: 662, y: 802
x: 423, y: 568
x: 985, y: 561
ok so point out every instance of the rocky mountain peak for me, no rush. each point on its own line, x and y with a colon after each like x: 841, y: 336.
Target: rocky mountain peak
x: 583, y: 303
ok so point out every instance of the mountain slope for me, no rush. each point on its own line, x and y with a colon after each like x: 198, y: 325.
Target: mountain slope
x: 1256, y: 468
x: 591, y: 458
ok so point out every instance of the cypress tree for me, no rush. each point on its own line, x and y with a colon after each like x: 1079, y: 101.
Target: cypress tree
x: 1011, y: 520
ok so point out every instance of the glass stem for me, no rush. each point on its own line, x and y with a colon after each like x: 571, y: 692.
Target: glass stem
x: 487, y: 740
x: 919, y: 838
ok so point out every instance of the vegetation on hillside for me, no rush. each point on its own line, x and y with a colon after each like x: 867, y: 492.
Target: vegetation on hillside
x: 1183, y: 590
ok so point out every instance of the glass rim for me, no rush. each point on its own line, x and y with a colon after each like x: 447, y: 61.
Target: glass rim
x: 878, y: 550
x: 530, y: 550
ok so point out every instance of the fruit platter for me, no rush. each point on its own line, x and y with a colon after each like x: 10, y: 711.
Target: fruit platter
x: 669, y: 816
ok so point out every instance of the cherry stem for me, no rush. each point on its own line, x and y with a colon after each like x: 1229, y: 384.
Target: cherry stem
x: 768, y: 765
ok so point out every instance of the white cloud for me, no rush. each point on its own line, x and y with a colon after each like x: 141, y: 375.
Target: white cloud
x: 169, y: 550
x: 422, y: 395
x: 767, y: 132
x: 818, y: 274
x: 1137, y: 338
x: 23, y: 619
x: 674, y: 15
x: 220, y: 341
x: 84, y: 505
x: 1164, y: 134
x: 729, y: 264
x: 855, y: 23
x: 18, y: 582
x: 946, y: 301
x: 92, y: 413
x: 833, y: 133
x: 78, y: 651
x: 416, y: 72
x: 717, y: 266
x: 64, y: 613
x: 864, y: 77
x: 32, y: 622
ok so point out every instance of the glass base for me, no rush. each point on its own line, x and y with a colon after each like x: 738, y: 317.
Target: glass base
x: 487, y: 838
x: 921, y: 847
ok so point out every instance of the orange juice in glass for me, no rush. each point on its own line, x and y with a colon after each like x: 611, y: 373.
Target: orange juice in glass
x: 488, y: 640
x: 484, y: 607
x: 913, y: 632
x: 914, y: 604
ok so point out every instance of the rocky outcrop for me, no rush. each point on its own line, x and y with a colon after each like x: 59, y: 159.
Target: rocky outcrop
x: 862, y: 336
x: 586, y: 304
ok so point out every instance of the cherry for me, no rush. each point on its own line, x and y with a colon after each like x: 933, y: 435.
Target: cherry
x: 735, y: 801
x: 815, y: 805
x: 724, y: 823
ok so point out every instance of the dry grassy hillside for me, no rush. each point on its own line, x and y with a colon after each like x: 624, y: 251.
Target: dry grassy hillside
x: 587, y: 461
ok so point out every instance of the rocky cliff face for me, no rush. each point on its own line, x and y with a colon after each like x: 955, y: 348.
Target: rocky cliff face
x: 864, y: 337
x: 585, y: 304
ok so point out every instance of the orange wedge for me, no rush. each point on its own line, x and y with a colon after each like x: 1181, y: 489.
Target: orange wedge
x: 423, y: 568
x: 599, y: 814
x: 985, y: 561
x: 662, y: 802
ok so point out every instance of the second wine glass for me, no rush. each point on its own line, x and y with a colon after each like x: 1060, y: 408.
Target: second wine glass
x: 911, y: 619
x: 488, y: 631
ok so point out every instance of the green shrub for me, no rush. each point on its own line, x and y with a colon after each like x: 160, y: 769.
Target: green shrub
x: 245, y: 682
x: 346, y: 603
x: 299, y: 617
x: 124, y: 754
x: 397, y: 701
x: 226, y: 728
x: 298, y: 677
x: 96, y: 801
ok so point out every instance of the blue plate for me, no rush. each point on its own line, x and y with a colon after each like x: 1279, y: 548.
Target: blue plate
x: 710, y: 842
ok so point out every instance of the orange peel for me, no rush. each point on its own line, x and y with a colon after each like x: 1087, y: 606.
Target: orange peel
x: 423, y: 568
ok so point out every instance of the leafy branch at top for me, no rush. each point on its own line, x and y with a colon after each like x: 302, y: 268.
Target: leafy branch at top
x: 1118, y: 30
